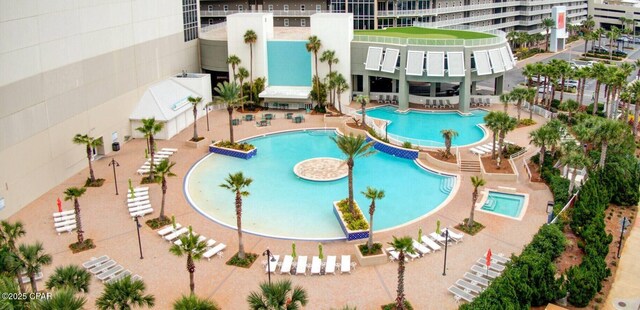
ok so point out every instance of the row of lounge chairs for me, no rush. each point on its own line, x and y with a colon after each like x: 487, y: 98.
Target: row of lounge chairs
x: 138, y: 201
x: 172, y: 234
x: 431, y: 243
x: 159, y: 156
x: 479, y: 102
x: 486, y: 148
x: 438, y: 104
x: 316, y: 267
x: 64, y: 221
x: 479, y: 278
x: 107, y: 270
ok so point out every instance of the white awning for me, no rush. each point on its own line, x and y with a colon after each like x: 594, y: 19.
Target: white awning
x: 455, y: 61
x: 374, y: 56
x: 163, y: 101
x: 483, y: 67
x: 390, y: 60
x: 286, y: 92
x: 496, y: 61
x: 415, y: 63
x: 506, y: 58
x: 435, y: 63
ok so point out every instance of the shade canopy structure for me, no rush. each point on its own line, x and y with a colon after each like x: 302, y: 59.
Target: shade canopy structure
x: 483, y: 67
x: 496, y: 60
x: 455, y: 61
x: 286, y: 92
x: 507, y: 58
x: 374, y: 57
x: 390, y: 60
x: 435, y: 63
x: 415, y: 63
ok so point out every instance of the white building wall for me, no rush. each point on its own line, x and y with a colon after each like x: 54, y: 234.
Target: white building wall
x: 237, y: 26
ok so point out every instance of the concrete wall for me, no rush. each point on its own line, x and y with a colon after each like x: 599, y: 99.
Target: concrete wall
x: 73, y: 67
x: 213, y: 55
x: 237, y: 26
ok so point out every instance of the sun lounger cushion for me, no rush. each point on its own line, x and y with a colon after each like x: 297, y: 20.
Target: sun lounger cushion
x: 301, y: 268
x: 316, y: 263
x: 286, y: 264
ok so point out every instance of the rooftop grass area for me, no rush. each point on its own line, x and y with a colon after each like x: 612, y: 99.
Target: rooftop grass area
x: 424, y: 33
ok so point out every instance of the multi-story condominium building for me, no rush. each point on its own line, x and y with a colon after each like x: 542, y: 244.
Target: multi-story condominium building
x: 609, y: 13
x: 506, y: 15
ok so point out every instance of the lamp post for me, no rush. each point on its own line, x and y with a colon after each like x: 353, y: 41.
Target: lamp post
x: 206, y: 108
x: 114, y: 164
x: 139, y: 242
x: 270, y: 259
x: 624, y: 223
x: 446, y: 242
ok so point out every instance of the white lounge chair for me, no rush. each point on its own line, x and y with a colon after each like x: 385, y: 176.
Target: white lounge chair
x: 66, y: 223
x: 477, y: 151
x: 140, y: 189
x: 438, y: 238
x: 456, y: 236
x: 64, y: 213
x: 345, y: 264
x: 200, y: 239
x: 174, y: 235
x: 210, y: 243
x: 102, y: 267
x: 64, y: 218
x: 430, y: 243
x: 500, y: 259
x: 476, y: 279
x: 160, y: 156
x: 95, y: 261
x: 136, y: 277
x: 272, y: 264
x: 141, y: 212
x: 164, y: 153
x: 460, y: 294
x: 468, y: 286
x: 137, y: 194
x: 168, y: 229
x: 316, y: 265
x: 119, y: 276
x: 423, y: 250
x: 143, y: 171
x: 214, y: 250
x: 141, y: 197
x: 107, y: 274
x: 67, y: 228
x: 286, y: 264
x: 484, y: 272
x: 139, y: 208
x: 167, y: 149
x: 330, y: 267
x: 301, y: 267
x: 495, y: 266
x: 26, y: 279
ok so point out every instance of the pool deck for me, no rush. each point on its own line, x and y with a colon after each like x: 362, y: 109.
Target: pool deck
x: 106, y: 220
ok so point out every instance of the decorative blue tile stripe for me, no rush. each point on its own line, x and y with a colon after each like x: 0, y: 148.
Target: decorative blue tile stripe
x: 353, y: 235
x: 233, y: 153
x: 393, y: 150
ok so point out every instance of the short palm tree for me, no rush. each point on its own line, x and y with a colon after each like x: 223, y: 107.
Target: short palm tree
x: 250, y: 37
x: 476, y: 181
x: 234, y: 61
x: 363, y: 100
x: 164, y: 171
x: 125, y: 294
x: 243, y: 74
x: 278, y: 295
x: 194, y: 103
x: 353, y: 147
x: 505, y: 98
x: 150, y: 128
x: 505, y: 124
x: 9, y: 235
x: 634, y: 88
x: 64, y: 298
x: 229, y: 93
x: 491, y: 122
x: 193, y: 248
x: 613, y: 35
x: 607, y: 132
x: 33, y: 258
x: 329, y: 56
x: 519, y: 95
x: 193, y: 302
x: 401, y: 245
x: 373, y: 195
x: 73, y: 193
x: 543, y: 137
x: 237, y: 184
x: 448, y: 135
x: 570, y: 106
x: 575, y: 160
x: 547, y: 24
x: 341, y: 86
x: 313, y: 46
x: 90, y: 143
x: 71, y: 277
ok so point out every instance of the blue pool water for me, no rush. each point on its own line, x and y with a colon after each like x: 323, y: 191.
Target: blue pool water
x: 505, y: 204
x: 427, y: 125
x: 281, y: 204
x: 289, y: 63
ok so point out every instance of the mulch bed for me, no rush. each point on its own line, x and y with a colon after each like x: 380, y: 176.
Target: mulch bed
x: 535, y: 174
x: 435, y: 154
x: 490, y: 165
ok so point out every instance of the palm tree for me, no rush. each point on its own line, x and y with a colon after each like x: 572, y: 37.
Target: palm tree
x: 234, y: 61
x: 242, y: 75
x: 194, y: 248
x: 329, y: 56
x: 193, y: 302
x: 570, y: 106
x: 363, y: 100
x: 341, y: 86
x: 598, y: 71
x: 542, y: 138
x: 353, y: 147
x: 539, y: 70
x: 64, y: 298
x: 229, y: 94
x: 587, y: 26
x: 237, y: 183
x: 512, y: 36
x: 491, y: 122
x: 150, y: 128
x: 505, y: 98
x: 278, y: 295
x: 90, y: 143
x: 250, y: 37
x: 547, y: 24
x: 476, y: 181
x: 599, y: 32
x: 607, y: 132
x: 529, y: 71
x: 637, y: 64
x: 372, y: 194
x: 313, y: 46
x: 71, y: 277
x: 73, y: 193
x: 519, y: 95
x: 448, y: 135
x: 634, y: 88
x: 164, y: 170
x: 124, y: 294
x: 581, y: 74
x: 401, y: 245
x: 194, y: 102
x: 565, y: 71
x: 612, y: 35
x: 33, y: 258
x: 574, y: 159
x: 9, y: 235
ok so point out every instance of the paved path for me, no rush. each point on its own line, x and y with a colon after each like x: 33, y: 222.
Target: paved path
x: 626, y: 281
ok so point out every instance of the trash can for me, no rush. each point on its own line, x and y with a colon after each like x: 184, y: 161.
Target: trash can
x: 115, y: 146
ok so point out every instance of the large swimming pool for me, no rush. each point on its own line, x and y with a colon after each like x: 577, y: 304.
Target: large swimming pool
x: 426, y: 126
x: 282, y: 205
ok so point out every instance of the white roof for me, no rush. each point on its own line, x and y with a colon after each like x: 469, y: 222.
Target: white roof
x: 286, y: 92
x: 164, y: 101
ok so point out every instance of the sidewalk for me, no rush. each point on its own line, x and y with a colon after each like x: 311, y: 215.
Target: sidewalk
x: 544, y: 56
x: 626, y: 286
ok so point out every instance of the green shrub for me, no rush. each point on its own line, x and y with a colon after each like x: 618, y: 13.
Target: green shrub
x: 526, y: 122
x: 392, y: 306
x: 243, y: 146
x: 375, y: 249
x: 356, y: 222
x: 581, y: 286
x: 407, y: 145
x: 246, y: 262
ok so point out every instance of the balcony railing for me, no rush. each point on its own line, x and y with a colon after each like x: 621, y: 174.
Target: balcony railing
x: 499, y: 36
x: 283, y: 13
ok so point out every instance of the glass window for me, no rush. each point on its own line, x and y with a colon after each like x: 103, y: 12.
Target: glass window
x: 225, y: 8
x: 190, y: 19
x: 210, y: 21
x: 302, y: 8
x: 303, y: 22
x: 286, y: 22
x: 286, y: 7
x: 240, y: 8
x: 318, y: 8
x: 209, y: 8
x: 270, y: 7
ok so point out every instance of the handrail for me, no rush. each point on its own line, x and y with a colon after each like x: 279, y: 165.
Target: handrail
x: 566, y: 206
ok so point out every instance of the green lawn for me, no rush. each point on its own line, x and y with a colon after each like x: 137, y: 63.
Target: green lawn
x: 424, y: 33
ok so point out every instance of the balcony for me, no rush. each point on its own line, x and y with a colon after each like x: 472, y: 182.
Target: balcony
x: 277, y: 13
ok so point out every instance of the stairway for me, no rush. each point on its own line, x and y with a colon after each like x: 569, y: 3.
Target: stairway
x: 470, y: 165
x: 446, y: 185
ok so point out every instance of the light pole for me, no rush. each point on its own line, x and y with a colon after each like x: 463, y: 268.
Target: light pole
x: 270, y: 259
x: 446, y: 241
x: 115, y: 164
x: 206, y: 108
x: 139, y: 242
x: 624, y: 225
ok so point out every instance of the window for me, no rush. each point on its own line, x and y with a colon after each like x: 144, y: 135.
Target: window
x: 286, y: 7
x: 209, y: 8
x: 240, y: 8
x: 302, y: 8
x: 225, y: 8
x: 286, y: 22
x: 270, y: 7
x: 303, y: 22
x: 190, y: 19
x: 318, y: 8
x: 210, y: 21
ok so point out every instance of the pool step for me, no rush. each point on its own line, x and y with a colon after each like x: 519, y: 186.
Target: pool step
x: 446, y: 185
x: 490, y: 204
x: 470, y: 165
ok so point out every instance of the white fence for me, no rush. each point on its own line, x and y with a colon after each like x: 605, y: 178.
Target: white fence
x: 538, y: 110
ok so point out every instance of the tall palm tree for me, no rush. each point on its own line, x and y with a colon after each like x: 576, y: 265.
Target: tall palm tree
x: 229, y: 94
x: 401, y: 245
x: 363, y: 100
x: 33, y: 258
x: 353, y: 147
x: 539, y: 70
x: 564, y: 71
x: 341, y: 86
x: 612, y: 35
x: 64, y: 298
x: 519, y: 95
x: 193, y: 302
x: 587, y: 26
x: 194, y: 103
x: 250, y: 37
x: 313, y: 46
x: 505, y: 98
x: 373, y: 195
x: 547, y: 24
x: 512, y: 36
x: 125, y: 294
x: 448, y: 135
x: 476, y: 181
x: 73, y: 193
x: 194, y: 248
x: 9, y: 235
x: 237, y: 184
x: 634, y: 87
x: 570, y: 106
x: 234, y: 61
x: 599, y: 33
x: 72, y: 277
x: 542, y: 138
x: 90, y: 143
x: 574, y: 159
x: 278, y: 295
x: 529, y: 71
x: 506, y: 124
x: 242, y: 75
x: 164, y: 171
x: 581, y: 74
x: 598, y: 71
x: 607, y: 132
x: 329, y: 56
x: 491, y: 122
x: 150, y: 128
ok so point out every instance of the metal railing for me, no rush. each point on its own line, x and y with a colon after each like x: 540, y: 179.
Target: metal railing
x: 567, y: 206
x: 427, y: 42
x: 292, y: 13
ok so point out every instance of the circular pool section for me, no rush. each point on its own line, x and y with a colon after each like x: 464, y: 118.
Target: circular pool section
x: 426, y: 126
x: 283, y: 205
